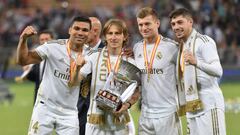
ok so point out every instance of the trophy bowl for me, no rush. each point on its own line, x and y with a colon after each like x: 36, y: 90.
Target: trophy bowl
x: 128, y: 72
x: 127, y: 78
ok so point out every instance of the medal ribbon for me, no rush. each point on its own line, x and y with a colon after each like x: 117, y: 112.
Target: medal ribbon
x: 148, y: 65
x: 182, y: 62
x: 116, y: 66
x: 72, y: 63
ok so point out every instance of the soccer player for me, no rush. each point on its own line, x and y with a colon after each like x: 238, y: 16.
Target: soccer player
x: 198, y: 71
x: 101, y: 64
x: 56, y: 105
x: 94, y: 42
x: 34, y: 72
x: 156, y: 55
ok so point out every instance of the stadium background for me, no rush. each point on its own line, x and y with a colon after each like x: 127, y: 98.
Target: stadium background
x: 219, y: 19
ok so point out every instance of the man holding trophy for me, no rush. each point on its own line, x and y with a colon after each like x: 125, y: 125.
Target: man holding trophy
x: 114, y: 82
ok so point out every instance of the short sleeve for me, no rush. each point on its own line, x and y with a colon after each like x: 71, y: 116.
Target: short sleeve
x: 43, y: 50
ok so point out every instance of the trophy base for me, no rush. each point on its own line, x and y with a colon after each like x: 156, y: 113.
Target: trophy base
x: 108, y: 101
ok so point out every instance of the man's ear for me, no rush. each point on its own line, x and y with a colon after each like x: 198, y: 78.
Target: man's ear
x: 95, y: 31
x: 125, y: 38
x: 69, y: 30
x: 190, y: 20
x: 158, y: 22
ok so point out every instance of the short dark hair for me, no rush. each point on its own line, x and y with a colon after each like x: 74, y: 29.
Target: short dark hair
x: 81, y: 19
x: 143, y: 12
x: 181, y: 11
x: 46, y: 32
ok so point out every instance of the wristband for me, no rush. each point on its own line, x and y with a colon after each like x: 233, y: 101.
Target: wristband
x: 129, y: 104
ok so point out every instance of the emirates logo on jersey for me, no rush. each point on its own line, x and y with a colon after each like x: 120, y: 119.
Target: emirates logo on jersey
x: 152, y: 71
x: 64, y: 76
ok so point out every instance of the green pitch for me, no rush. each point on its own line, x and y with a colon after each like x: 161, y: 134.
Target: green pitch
x: 15, y: 117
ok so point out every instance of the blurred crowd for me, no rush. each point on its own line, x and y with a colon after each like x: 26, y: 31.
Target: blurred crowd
x: 219, y: 19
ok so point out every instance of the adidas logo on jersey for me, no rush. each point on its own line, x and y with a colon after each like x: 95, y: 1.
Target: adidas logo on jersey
x: 140, y: 55
x: 61, y: 60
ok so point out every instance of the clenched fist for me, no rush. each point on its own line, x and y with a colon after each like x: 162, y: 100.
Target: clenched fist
x: 28, y: 31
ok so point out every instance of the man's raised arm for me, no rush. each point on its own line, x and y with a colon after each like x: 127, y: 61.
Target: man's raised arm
x: 24, y: 56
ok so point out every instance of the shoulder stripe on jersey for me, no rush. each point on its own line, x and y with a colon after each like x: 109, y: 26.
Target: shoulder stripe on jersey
x: 141, y: 41
x: 94, y: 51
x: 200, y: 37
x: 169, y: 40
x: 203, y: 38
x: 58, y: 41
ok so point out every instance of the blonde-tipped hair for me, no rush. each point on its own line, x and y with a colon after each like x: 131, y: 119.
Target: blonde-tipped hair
x: 146, y: 11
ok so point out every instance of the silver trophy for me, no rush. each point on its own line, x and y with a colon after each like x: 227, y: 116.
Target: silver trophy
x: 125, y: 82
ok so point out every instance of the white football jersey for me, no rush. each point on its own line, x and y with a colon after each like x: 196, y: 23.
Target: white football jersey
x: 159, y: 93
x: 54, y: 88
x: 209, y: 70
x: 99, y: 75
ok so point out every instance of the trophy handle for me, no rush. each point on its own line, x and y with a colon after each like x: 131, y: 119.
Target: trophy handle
x: 128, y: 92
x: 119, y: 106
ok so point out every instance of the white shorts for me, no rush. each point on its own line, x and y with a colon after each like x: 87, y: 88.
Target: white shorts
x: 210, y: 123
x: 44, y: 121
x: 94, y: 130
x: 170, y: 125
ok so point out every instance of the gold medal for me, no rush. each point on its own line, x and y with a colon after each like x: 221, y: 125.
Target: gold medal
x: 148, y: 78
x: 148, y: 65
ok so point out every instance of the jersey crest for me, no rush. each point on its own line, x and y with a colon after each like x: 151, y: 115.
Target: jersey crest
x: 159, y: 55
